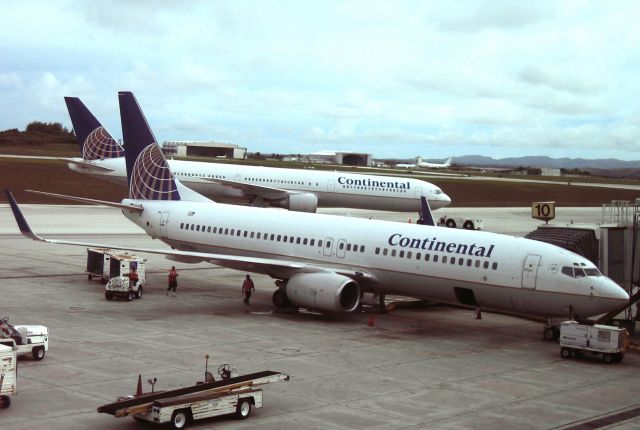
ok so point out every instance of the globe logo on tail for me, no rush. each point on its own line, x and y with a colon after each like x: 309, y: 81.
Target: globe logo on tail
x: 100, y: 145
x: 151, y: 178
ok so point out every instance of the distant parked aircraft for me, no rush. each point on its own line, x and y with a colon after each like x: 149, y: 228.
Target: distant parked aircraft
x: 294, y: 189
x: 419, y: 163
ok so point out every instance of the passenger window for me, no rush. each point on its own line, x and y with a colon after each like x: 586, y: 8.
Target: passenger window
x: 401, y: 255
x: 393, y: 252
x: 377, y: 251
x: 477, y: 263
x: 362, y: 248
x: 319, y: 243
x: 291, y: 239
x: 279, y: 237
x: 304, y: 241
x: 469, y: 262
x: 444, y: 259
x: 252, y: 234
x: 461, y: 261
x: 341, y: 245
x: 418, y: 256
x: 273, y: 236
x: 409, y: 254
x: 284, y: 239
x: 209, y: 229
x: 384, y: 251
x: 435, y: 258
x: 181, y: 225
x: 328, y: 244
x: 238, y: 233
x: 226, y: 231
x: 453, y: 260
x: 298, y: 241
x: 494, y: 266
x: 485, y: 265
x: 426, y: 257
x: 246, y: 233
x: 232, y: 231
x: 193, y: 226
x: 311, y: 242
x: 348, y: 247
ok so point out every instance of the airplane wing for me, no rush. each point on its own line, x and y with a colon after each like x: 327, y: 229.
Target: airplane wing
x: 273, y: 267
x: 267, y: 193
x: 91, y: 166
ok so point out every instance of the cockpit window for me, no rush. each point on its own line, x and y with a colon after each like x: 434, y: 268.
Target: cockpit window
x: 578, y: 272
x: 567, y: 270
x: 592, y: 272
x: 437, y: 191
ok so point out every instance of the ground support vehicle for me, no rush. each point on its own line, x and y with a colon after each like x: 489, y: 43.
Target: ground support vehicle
x: 608, y: 342
x: 121, y: 286
x: 461, y: 222
x: 178, y: 407
x: 8, y: 366
x: 26, y: 339
x: 120, y: 266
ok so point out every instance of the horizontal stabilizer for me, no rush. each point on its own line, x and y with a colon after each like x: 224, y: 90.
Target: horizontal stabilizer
x: 88, y: 165
x: 90, y: 201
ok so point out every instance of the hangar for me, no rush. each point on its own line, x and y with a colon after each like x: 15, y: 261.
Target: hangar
x: 342, y: 157
x: 203, y: 149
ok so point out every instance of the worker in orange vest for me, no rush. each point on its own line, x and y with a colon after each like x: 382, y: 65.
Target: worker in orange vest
x: 173, y: 280
x: 247, y: 288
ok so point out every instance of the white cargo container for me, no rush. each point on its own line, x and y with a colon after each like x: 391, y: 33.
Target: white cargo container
x: 8, y: 366
x: 107, y: 263
x: 606, y: 341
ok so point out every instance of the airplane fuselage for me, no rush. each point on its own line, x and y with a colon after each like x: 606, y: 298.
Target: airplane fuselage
x: 449, y: 265
x: 332, y: 188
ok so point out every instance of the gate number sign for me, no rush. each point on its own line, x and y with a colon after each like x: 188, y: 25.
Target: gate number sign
x: 543, y: 210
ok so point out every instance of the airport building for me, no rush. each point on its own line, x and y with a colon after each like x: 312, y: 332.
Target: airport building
x: 203, y: 149
x: 342, y: 157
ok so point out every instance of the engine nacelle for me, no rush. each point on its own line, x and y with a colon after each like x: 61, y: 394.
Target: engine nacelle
x: 300, y: 202
x: 326, y: 291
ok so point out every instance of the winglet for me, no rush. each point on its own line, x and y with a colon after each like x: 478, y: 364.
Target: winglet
x: 23, y: 225
x: 426, y: 218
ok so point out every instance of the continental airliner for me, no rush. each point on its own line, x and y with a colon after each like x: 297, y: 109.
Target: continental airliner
x: 294, y: 189
x: 419, y: 163
x: 325, y: 262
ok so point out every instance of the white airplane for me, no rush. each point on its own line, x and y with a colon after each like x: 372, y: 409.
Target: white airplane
x: 325, y: 262
x: 293, y: 189
x: 419, y: 163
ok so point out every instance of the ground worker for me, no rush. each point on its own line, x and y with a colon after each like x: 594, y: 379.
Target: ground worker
x: 173, y: 280
x: 247, y: 288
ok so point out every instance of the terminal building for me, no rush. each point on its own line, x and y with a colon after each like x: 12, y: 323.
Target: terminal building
x: 204, y: 149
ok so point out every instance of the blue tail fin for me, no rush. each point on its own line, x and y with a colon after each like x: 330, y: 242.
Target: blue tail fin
x: 95, y: 141
x: 147, y: 168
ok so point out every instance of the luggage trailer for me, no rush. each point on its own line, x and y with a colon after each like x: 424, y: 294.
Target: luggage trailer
x: 180, y: 406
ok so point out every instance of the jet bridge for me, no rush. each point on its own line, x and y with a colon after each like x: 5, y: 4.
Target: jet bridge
x: 612, y: 245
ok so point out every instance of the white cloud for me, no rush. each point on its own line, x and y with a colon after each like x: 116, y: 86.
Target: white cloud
x: 402, y: 78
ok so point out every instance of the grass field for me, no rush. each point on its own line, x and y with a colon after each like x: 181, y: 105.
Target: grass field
x: 54, y: 176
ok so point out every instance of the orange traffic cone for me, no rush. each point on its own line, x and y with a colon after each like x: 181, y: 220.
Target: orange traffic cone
x: 139, y: 389
x: 371, y: 321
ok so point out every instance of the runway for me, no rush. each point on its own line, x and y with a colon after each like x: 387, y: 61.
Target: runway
x: 417, y: 367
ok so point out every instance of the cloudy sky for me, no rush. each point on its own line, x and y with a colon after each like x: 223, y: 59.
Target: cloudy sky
x: 393, y: 78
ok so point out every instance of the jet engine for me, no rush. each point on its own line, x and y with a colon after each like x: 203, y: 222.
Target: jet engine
x: 306, y: 202
x: 326, y: 292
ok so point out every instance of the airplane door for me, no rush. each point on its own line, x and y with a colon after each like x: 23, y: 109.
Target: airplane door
x: 340, y: 248
x: 331, y: 186
x: 164, y: 222
x: 530, y: 271
x: 327, y: 246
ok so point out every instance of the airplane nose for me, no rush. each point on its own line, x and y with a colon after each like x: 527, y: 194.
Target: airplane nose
x: 446, y: 200
x: 611, y: 290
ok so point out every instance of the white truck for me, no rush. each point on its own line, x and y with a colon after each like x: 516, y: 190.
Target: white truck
x: 8, y: 366
x: 26, y: 339
x: 461, y: 222
x: 104, y: 264
x: 608, y: 342
x: 120, y: 283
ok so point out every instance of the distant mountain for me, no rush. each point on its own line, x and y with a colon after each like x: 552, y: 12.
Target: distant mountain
x: 543, y: 161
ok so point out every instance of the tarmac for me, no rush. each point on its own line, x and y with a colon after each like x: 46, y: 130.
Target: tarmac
x: 415, y: 367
